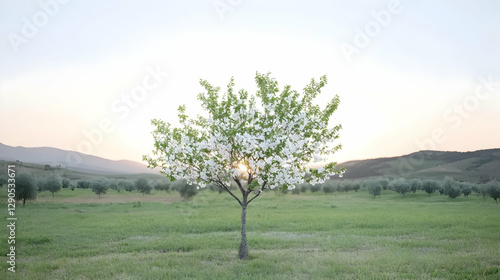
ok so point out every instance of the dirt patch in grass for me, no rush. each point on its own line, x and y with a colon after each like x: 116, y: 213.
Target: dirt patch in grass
x: 110, y: 199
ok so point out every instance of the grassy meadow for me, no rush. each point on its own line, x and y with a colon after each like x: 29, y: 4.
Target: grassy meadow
x: 77, y: 235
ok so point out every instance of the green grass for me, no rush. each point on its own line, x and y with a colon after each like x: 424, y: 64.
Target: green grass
x: 311, y: 236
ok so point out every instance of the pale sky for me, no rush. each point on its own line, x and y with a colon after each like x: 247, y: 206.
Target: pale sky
x: 90, y: 75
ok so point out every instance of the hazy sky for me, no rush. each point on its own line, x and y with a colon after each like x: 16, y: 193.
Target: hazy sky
x: 90, y: 75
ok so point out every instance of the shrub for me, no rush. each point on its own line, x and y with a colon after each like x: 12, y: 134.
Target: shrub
x: 142, y: 186
x: 3, y: 181
x: 400, y: 186
x: 52, y: 184
x: 186, y: 190
x: 415, y: 184
x: 356, y: 186
x: 483, y: 190
x: 25, y: 187
x: 40, y: 183
x: 65, y: 183
x: 454, y: 191
x: 429, y: 186
x: 447, y: 184
x: 466, y: 188
x: 328, y: 188
x: 126, y: 185
x: 373, y: 187
x: 214, y: 188
x: 347, y: 186
x: 384, y: 183
x: 476, y: 188
x: 303, y: 187
x: 493, y: 190
x: 440, y: 189
x: 83, y: 184
x: 99, y: 186
x: 113, y: 184
x: 296, y: 190
x: 162, y: 186
x: 315, y: 188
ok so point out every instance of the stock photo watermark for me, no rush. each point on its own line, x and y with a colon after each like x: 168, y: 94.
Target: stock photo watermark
x: 372, y: 28
x: 454, y: 116
x: 121, y: 106
x: 31, y: 26
x: 11, y: 219
x: 225, y: 6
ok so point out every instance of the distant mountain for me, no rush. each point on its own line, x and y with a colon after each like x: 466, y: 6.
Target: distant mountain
x: 478, y: 166
x: 72, y: 160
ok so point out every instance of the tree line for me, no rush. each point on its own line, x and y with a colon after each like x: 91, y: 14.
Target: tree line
x: 447, y: 186
x: 28, y: 186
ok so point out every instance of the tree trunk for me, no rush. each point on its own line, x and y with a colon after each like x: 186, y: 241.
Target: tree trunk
x: 243, y: 250
x: 24, y: 201
x: 52, y: 194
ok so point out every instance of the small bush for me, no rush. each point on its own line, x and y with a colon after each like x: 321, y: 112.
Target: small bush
x: 113, y: 184
x: 429, y: 186
x: 126, y: 185
x: 3, y: 181
x: 384, y: 183
x: 447, y: 184
x: 346, y: 186
x: 142, y: 186
x: 25, y: 187
x: 415, y: 184
x: 466, y: 188
x: 453, y: 191
x: 356, y: 186
x: 400, y: 186
x: 65, y: 183
x: 52, y: 184
x: 327, y: 188
x: 83, y: 184
x: 162, y: 186
x: 296, y: 190
x: 315, y: 188
x: 373, y: 187
x: 493, y: 190
x: 99, y: 186
x: 186, y: 190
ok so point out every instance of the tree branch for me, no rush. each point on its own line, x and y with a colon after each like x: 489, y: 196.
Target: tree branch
x: 239, y: 185
x: 235, y: 197
x: 260, y: 190
x: 222, y: 185
x: 250, y: 179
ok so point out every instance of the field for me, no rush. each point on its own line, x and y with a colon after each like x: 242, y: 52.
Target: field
x: 77, y: 235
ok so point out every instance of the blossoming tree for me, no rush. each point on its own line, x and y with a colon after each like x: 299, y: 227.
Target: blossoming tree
x: 256, y: 145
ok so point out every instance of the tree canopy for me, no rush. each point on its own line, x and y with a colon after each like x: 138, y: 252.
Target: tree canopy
x: 271, y: 143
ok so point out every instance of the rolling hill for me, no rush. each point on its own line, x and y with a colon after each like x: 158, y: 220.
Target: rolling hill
x: 57, y: 157
x: 477, y: 166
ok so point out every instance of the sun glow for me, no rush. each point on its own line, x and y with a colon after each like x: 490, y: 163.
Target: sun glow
x: 242, y: 167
